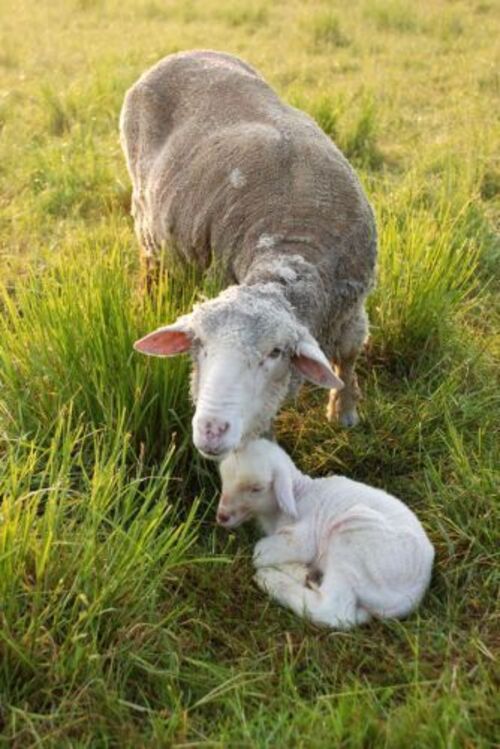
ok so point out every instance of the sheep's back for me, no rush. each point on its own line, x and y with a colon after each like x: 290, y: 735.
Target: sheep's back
x: 221, y: 166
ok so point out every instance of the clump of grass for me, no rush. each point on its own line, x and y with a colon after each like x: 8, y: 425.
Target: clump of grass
x: 360, y: 141
x: 450, y: 27
x: 72, y: 177
x: 245, y: 16
x: 68, y: 339
x: 490, y: 82
x: 8, y: 56
x: 490, y: 184
x: 351, y: 124
x: 86, y: 5
x: 4, y: 110
x: 92, y: 554
x: 392, y: 15
x: 155, y: 11
x: 326, y: 31
x: 327, y: 111
x: 427, y: 275
x: 59, y: 113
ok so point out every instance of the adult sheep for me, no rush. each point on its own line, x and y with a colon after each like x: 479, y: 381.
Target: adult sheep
x: 224, y: 171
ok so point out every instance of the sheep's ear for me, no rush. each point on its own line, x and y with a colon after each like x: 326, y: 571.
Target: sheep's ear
x: 168, y: 341
x: 283, y: 490
x: 314, y: 366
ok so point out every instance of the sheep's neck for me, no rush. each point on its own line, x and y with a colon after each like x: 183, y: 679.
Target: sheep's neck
x: 299, y: 281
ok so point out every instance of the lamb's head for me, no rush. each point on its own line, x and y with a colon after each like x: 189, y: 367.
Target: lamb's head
x: 257, y: 482
x: 244, y: 344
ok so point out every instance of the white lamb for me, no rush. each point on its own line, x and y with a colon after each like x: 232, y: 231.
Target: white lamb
x: 369, y: 550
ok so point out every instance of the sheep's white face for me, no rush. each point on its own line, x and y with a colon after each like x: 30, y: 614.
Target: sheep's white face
x: 236, y: 392
x: 244, y: 347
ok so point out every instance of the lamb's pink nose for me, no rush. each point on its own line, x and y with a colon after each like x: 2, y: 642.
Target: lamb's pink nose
x: 223, y: 518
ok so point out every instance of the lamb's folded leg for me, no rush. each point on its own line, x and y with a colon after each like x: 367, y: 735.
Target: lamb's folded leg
x: 292, y: 543
x: 297, y: 571
x: 332, y: 608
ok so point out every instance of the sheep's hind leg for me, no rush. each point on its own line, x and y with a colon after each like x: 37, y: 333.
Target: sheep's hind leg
x: 342, y: 403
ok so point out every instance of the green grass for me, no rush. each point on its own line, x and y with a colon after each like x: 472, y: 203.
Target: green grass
x: 127, y: 618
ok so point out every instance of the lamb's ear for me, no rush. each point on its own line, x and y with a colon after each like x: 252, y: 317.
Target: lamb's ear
x: 283, y: 489
x: 314, y: 366
x: 168, y: 341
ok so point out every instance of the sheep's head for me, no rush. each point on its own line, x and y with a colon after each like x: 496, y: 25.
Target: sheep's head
x: 245, y: 344
x: 257, y: 481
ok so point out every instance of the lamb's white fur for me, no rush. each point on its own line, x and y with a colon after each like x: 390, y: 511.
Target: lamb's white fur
x: 370, y: 549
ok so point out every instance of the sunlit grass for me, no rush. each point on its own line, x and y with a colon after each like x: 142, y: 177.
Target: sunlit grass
x: 126, y: 617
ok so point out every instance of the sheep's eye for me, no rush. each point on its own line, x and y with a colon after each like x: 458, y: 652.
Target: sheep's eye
x: 200, y: 347
x: 275, y: 353
x: 255, y: 489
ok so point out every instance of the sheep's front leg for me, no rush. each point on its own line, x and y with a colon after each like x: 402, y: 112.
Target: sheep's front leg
x: 292, y: 543
x: 342, y: 403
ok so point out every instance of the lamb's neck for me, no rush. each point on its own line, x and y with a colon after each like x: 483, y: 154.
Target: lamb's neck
x: 297, y: 279
x: 269, y: 522
x: 301, y: 486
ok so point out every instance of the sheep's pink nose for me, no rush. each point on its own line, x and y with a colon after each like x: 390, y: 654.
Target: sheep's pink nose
x: 210, y: 434
x: 214, y: 435
x: 223, y: 517
x: 213, y: 428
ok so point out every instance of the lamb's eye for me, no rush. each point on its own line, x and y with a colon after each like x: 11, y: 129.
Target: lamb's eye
x: 255, y: 489
x: 275, y: 353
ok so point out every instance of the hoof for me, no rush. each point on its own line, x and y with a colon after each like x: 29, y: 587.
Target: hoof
x: 349, y: 419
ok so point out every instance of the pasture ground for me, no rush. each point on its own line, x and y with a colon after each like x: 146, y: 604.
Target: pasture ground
x: 126, y: 618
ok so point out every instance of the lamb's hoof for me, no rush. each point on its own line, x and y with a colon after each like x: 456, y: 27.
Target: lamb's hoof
x: 263, y: 578
x: 271, y: 580
x: 259, y: 578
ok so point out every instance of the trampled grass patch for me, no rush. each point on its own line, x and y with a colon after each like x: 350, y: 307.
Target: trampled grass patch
x: 126, y: 618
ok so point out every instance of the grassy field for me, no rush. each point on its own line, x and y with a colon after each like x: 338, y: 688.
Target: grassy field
x: 126, y: 618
